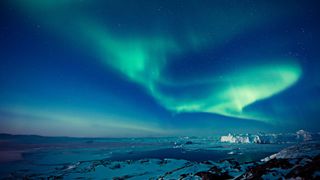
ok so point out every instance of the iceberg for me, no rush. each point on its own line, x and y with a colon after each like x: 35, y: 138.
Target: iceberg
x: 272, y: 138
x: 240, y: 138
x: 303, y: 135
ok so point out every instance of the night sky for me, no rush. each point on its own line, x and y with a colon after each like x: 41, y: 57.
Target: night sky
x: 122, y: 68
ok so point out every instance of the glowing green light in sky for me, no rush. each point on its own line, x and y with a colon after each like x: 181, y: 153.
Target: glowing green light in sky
x: 143, y: 58
x: 236, y: 90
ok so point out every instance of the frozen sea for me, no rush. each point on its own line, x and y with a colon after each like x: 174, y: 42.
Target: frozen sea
x: 36, y: 156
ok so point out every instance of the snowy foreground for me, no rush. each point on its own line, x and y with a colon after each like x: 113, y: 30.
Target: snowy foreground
x: 300, y: 159
x: 297, y: 161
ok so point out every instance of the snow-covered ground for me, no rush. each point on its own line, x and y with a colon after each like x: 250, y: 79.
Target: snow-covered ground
x: 160, y: 158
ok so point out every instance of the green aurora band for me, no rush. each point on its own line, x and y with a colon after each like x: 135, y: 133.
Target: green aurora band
x: 143, y: 59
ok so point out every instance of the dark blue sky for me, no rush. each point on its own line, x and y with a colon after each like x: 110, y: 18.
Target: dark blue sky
x: 158, y: 68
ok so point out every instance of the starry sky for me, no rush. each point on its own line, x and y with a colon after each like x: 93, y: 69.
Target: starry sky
x: 122, y: 68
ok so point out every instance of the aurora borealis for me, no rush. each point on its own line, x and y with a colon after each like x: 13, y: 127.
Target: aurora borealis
x: 155, y: 68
